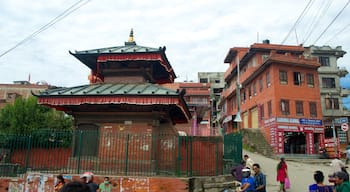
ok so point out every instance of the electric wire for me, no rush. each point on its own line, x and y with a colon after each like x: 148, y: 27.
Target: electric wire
x: 58, y: 18
x: 297, y: 21
x: 335, y: 35
x: 335, y: 18
x: 316, y: 20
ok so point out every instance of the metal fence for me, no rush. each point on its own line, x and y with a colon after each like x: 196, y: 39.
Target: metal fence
x: 127, y: 154
x: 232, y: 151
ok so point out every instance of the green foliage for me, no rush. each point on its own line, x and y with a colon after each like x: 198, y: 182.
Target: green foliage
x: 25, y: 116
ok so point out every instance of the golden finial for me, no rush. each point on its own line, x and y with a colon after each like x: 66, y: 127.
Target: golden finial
x: 131, y: 36
x: 131, y: 40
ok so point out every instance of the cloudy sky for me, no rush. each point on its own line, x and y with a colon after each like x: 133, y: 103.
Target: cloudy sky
x: 196, y: 33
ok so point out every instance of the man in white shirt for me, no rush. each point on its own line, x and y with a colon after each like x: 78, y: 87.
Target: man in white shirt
x: 248, y: 162
x: 337, y: 165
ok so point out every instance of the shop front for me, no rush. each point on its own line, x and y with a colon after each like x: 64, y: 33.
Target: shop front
x: 295, y: 136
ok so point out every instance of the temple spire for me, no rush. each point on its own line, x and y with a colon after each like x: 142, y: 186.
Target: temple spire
x: 131, y: 40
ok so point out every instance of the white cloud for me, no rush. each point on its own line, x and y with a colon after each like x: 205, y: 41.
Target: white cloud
x: 197, y: 34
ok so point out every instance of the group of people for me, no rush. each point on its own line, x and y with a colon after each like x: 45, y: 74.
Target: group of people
x: 86, y: 184
x: 253, y: 179
x: 250, y: 175
x: 339, y: 177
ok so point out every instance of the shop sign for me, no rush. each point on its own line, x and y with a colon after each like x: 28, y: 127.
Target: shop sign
x: 267, y: 121
x: 341, y: 120
x: 319, y: 130
x: 288, y: 128
x: 287, y: 120
x: 304, y: 121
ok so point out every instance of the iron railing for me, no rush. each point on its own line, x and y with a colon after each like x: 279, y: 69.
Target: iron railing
x: 111, y: 153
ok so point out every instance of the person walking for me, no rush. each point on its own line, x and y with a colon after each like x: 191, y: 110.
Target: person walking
x: 282, y: 173
x: 337, y: 165
x: 259, y: 179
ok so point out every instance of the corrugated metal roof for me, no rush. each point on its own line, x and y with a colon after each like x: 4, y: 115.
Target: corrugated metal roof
x: 111, y: 89
x: 122, y: 49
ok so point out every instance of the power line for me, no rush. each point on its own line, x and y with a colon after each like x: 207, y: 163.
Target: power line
x: 335, y: 35
x: 320, y: 14
x: 297, y: 21
x: 335, y: 18
x: 61, y: 16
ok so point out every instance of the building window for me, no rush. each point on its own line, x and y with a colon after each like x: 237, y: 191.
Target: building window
x: 254, y: 88
x: 328, y: 82
x: 262, y: 111
x: 269, y: 108
x: 203, y: 80
x: 268, y: 83
x: 217, y: 81
x: 332, y: 103
x: 284, y: 107
x: 299, y: 108
x: 250, y: 92
x: 310, y: 80
x: 313, y: 109
x: 244, y: 96
x: 297, y: 78
x: 261, y: 84
x: 283, y: 77
x: 324, y: 61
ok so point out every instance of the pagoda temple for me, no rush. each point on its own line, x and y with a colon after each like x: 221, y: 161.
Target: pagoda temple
x: 125, y: 95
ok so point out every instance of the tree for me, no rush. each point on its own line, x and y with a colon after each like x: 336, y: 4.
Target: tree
x: 26, y: 116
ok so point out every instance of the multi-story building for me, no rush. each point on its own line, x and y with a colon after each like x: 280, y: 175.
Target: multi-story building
x: 24, y: 89
x: 331, y: 92
x: 217, y: 83
x: 279, y: 94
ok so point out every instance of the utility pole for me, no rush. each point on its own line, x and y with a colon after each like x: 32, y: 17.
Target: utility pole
x: 238, y: 118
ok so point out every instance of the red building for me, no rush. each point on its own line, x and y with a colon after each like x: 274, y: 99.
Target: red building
x: 279, y: 95
x: 197, y: 97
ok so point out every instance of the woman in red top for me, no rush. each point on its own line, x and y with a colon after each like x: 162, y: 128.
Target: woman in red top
x: 282, y: 173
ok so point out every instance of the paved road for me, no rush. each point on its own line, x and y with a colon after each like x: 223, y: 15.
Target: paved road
x: 300, y: 174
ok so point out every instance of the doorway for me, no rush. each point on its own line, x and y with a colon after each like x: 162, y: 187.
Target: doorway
x: 294, y: 143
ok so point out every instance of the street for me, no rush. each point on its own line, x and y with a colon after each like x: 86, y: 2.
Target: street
x: 300, y: 174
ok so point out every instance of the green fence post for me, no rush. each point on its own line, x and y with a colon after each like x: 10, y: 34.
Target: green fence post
x: 179, y: 156
x: 127, y: 153
x: 191, y: 146
x: 79, y: 149
x: 29, y: 143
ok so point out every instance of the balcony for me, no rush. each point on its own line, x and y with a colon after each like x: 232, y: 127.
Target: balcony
x: 342, y: 72
x: 344, y: 92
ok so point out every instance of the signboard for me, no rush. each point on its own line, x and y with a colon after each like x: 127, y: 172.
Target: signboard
x: 341, y: 120
x: 304, y: 121
x: 344, y: 127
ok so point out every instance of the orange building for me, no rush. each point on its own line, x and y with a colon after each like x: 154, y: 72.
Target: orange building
x: 279, y: 94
